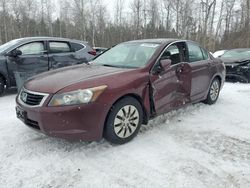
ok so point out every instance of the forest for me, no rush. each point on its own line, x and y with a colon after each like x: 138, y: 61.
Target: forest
x: 216, y: 24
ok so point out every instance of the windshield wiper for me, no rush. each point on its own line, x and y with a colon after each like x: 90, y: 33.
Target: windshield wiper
x: 119, y: 66
x: 108, y: 65
x: 243, y: 61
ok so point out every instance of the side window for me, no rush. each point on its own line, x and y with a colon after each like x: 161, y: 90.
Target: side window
x: 34, y: 48
x: 173, y: 53
x: 59, y: 47
x: 195, y: 53
x: 76, y: 46
x: 205, y: 54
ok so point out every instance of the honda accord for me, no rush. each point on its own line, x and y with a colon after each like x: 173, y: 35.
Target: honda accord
x: 118, y: 91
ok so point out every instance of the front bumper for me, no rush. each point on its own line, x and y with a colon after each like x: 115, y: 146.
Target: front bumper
x: 237, y: 74
x: 79, y: 122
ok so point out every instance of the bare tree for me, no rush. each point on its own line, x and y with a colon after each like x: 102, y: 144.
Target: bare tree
x: 137, y: 8
x: 215, y: 24
x: 4, y: 6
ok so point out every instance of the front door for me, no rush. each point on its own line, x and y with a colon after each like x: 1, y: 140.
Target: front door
x: 33, y: 60
x: 171, y: 88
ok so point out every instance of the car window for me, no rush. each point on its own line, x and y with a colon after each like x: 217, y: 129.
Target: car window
x: 76, y: 46
x: 205, y: 54
x: 34, y: 48
x: 173, y: 53
x: 59, y: 47
x: 195, y: 53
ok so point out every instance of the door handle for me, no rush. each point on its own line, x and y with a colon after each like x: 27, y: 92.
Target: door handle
x: 179, y: 69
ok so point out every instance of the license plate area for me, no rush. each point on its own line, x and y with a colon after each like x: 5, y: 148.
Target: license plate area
x: 21, y: 114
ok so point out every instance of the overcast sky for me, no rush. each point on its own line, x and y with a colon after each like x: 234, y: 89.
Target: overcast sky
x: 110, y: 5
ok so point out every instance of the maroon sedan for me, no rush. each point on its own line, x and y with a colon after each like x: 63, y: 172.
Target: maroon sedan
x: 120, y: 90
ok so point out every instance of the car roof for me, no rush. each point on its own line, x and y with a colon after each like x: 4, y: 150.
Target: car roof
x: 27, y: 39
x: 99, y: 48
x: 160, y: 41
x: 156, y: 40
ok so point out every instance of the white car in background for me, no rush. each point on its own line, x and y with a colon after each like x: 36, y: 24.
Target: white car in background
x: 219, y: 53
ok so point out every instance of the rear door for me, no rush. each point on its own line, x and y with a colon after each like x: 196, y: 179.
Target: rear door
x: 171, y: 88
x: 34, y: 59
x: 83, y: 53
x: 61, y: 54
x: 200, y: 63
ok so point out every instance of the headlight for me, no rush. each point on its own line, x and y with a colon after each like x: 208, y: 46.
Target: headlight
x: 77, y: 97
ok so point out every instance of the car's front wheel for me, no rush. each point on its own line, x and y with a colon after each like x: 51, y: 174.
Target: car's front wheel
x: 124, y: 121
x: 2, y: 86
x: 214, y: 92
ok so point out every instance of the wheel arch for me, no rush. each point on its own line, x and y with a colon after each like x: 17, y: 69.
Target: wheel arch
x: 219, y: 77
x: 4, y: 78
x: 139, y: 99
x: 216, y: 76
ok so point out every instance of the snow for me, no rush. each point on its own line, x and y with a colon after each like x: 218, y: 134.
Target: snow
x: 196, y: 146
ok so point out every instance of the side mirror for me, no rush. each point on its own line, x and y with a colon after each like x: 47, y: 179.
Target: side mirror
x: 14, y: 53
x: 165, y: 64
x: 162, y: 66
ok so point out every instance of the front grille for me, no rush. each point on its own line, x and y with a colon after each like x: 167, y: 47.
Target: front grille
x: 31, y: 98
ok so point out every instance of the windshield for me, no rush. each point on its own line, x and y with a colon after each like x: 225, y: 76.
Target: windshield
x: 8, y: 45
x: 128, y: 55
x: 237, y: 54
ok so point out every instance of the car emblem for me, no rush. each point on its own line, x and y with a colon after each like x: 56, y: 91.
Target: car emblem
x: 24, y: 96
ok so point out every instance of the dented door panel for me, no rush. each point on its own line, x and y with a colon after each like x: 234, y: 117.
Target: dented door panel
x: 171, y: 89
x: 62, y: 60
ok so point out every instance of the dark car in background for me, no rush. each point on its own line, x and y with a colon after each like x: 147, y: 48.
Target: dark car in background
x: 40, y: 54
x: 237, y: 62
x: 123, y: 88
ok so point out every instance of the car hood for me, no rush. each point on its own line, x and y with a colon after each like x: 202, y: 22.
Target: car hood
x: 235, y: 62
x: 53, y: 81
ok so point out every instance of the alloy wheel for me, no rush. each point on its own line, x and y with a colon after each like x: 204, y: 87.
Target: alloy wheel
x: 214, y: 91
x: 126, y: 121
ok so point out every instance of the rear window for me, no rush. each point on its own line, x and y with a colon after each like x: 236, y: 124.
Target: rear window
x: 59, y: 47
x: 195, y: 53
x: 76, y: 46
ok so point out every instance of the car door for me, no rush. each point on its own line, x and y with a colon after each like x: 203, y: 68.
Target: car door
x: 200, y: 63
x: 61, y: 54
x: 34, y: 59
x: 83, y: 53
x: 171, y: 88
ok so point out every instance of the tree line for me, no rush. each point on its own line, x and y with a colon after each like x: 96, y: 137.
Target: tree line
x: 216, y: 24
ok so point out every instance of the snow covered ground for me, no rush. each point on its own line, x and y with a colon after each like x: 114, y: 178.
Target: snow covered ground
x: 198, y: 146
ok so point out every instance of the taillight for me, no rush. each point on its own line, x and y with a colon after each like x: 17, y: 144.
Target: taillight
x: 92, y: 53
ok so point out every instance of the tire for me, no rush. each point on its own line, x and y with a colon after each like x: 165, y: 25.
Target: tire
x: 2, y: 86
x: 123, y: 121
x: 214, y: 92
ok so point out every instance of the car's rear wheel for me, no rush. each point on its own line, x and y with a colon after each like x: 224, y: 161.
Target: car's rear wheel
x: 124, y: 121
x: 214, y: 92
x: 2, y: 86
